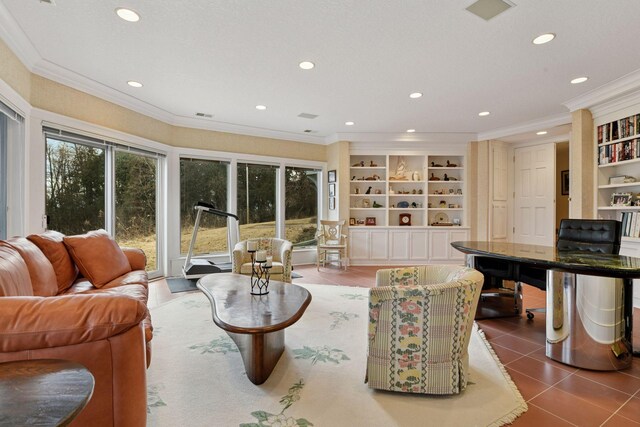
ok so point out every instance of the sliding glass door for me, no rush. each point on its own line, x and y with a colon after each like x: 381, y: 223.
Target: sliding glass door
x: 92, y: 184
x: 136, y: 201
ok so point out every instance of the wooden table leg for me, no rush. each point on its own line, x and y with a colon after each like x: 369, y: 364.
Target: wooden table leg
x: 260, y: 353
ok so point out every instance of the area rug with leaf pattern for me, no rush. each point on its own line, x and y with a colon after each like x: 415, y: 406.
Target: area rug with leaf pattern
x: 197, y: 377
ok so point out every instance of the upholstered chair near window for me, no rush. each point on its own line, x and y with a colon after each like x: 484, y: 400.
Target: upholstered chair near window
x: 279, y: 249
x: 420, y: 321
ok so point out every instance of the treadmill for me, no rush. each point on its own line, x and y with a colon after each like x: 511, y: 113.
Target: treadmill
x: 195, y: 268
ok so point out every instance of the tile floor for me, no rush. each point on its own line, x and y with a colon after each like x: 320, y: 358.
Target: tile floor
x: 557, y: 394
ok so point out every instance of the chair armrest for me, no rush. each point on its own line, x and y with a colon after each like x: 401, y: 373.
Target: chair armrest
x: 137, y: 258
x: 238, y: 256
x: 285, y: 258
x: 29, y: 323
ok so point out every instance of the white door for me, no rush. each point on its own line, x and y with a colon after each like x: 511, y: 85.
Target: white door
x: 534, y: 199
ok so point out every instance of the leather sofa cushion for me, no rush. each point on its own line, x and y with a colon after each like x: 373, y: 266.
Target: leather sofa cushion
x: 43, y: 278
x: 52, y: 246
x: 14, y: 274
x: 28, y: 323
x: 98, y: 257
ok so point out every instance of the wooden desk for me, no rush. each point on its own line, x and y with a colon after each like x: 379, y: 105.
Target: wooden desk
x: 43, y: 392
x: 589, y: 298
x: 256, y: 323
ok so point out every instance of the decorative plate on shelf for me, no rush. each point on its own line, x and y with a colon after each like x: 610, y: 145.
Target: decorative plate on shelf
x: 441, y: 219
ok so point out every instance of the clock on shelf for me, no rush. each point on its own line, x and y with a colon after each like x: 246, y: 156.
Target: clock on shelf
x: 405, y: 219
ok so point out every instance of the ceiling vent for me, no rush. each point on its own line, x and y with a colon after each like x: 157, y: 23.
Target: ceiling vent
x: 48, y: 2
x: 487, y: 9
x: 307, y: 115
x: 310, y: 131
x: 205, y: 115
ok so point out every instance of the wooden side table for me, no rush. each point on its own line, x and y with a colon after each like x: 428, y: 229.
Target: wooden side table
x: 45, y: 392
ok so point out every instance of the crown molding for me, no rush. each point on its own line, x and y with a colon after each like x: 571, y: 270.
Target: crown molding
x: 549, y: 140
x: 16, y: 39
x: 403, y: 137
x: 607, y: 92
x: 614, y: 105
x: 530, y: 126
x: 212, y: 125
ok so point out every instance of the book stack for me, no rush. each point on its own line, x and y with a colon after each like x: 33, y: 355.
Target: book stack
x: 631, y: 224
x: 618, y: 152
x: 623, y: 128
x: 611, y: 145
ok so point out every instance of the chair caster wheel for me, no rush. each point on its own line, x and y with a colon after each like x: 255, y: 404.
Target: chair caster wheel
x: 530, y: 315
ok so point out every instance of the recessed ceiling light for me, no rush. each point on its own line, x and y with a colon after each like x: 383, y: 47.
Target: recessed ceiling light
x: 261, y: 107
x: 484, y: 113
x: 133, y: 83
x: 411, y: 130
x: 128, y: 14
x: 349, y: 123
x: 415, y: 95
x: 306, y: 65
x: 542, y: 132
x: 579, y: 80
x: 544, y: 38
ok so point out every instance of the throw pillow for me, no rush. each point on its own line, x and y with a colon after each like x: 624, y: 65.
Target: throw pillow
x: 98, y: 256
x: 52, y: 246
x: 43, y: 278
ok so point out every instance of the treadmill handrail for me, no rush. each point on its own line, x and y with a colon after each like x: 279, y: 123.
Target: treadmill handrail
x: 206, y: 207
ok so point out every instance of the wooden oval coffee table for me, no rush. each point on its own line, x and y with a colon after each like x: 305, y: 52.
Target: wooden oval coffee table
x: 45, y: 392
x: 255, y: 323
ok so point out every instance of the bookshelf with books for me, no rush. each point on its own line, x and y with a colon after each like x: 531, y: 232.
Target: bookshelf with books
x: 618, y: 149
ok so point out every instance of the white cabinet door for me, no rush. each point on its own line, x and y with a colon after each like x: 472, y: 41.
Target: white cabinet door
x: 358, y: 244
x: 419, y: 249
x: 379, y: 244
x: 438, y: 245
x: 399, y: 244
x: 455, y: 236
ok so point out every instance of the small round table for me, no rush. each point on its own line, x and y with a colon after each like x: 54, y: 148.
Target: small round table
x: 43, y: 392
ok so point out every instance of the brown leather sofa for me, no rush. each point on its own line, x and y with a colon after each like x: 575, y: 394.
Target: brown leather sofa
x: 49, y: 310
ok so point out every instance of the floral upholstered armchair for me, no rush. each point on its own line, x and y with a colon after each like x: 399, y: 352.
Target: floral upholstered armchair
x: 279, y: 249
x: 420, y: 321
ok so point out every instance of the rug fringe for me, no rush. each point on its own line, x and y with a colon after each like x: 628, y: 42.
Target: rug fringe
x: 523, y: 407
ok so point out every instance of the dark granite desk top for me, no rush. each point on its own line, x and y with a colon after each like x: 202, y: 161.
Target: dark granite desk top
x: 549, y: 257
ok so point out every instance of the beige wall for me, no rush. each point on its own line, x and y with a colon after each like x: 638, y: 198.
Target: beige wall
x: 14, y: 73
x: 338, y: 160
x: 581, y: 173
x: 51, y: 96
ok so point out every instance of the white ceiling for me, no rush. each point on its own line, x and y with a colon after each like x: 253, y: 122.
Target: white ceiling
x: 226, y: 57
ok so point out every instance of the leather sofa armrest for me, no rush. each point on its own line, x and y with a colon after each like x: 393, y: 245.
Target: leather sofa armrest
x: 137, y: 258
x: 29, y: 323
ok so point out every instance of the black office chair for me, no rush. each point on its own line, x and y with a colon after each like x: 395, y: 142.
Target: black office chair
x: 577, y: 235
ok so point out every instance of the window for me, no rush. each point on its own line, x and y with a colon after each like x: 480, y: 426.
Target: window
x: 135, y: 202
x: 301, y: 205
x: 75, y: 178
x: 92, y: 183
x: 257, y: 200
x: 203, y: 180
x: 11, y: 172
